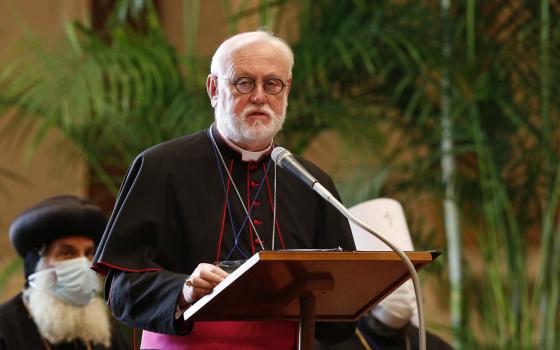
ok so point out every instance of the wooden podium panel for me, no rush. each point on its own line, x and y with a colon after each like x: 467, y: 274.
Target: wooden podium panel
x: 268, y: 286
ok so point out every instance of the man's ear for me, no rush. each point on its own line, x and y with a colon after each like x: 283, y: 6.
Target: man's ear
x: 212, y: 89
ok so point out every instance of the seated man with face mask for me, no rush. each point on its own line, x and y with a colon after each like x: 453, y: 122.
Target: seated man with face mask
x: 59, y: 307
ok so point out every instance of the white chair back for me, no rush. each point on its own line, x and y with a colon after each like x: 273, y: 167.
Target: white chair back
x: 386, y: 216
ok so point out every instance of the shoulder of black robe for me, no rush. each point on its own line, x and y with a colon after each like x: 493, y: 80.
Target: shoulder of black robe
x: 136, y: 230
x: 334, y: 230
x: 17, y: 329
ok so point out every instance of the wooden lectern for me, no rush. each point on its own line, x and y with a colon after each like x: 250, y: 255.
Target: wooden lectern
x: 306, y: 285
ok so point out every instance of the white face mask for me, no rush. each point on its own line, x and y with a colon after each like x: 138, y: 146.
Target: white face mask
x: 70, y: 280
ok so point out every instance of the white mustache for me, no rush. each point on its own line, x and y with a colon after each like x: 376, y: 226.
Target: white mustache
x: 252, y: 109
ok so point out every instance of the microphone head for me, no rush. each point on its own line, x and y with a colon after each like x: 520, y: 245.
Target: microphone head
x: 278, y: 154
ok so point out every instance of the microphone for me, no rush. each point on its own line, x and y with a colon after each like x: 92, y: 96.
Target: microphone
x: 286, y: 160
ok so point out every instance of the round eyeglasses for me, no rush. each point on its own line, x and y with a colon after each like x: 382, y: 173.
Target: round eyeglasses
x: 246, y: 85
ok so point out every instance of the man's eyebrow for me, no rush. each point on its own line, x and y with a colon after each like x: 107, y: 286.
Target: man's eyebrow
x: 67, y: 246
x: 264, y: 78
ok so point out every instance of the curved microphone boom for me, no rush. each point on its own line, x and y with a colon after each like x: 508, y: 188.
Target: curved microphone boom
x: 286, y: 160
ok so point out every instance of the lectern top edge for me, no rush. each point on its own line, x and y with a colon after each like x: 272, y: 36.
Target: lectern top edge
x: 298, y: 254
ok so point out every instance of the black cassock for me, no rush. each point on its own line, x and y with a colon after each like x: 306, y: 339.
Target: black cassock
x: 18, y: 331
x: 177, y: 208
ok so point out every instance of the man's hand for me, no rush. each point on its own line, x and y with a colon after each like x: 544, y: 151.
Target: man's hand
x: 202, y: 281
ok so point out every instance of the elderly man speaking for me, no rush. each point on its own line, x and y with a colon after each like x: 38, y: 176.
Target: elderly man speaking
x: 216, y: 196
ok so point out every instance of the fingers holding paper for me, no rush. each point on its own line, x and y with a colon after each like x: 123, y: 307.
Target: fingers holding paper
x: 202, y: 281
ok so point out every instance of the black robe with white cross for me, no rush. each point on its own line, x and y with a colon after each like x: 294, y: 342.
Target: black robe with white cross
x: 177, y: 208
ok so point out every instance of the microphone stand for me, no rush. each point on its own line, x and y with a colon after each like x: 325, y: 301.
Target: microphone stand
x: 285, y: 159
x: 323, y: 192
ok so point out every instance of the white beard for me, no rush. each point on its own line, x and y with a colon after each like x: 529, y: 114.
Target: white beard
x: 239, y: 131
x: 62, y: 322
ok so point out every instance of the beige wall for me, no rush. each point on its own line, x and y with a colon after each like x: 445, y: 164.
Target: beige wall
x: 212, y: 26
x: 48, y: 172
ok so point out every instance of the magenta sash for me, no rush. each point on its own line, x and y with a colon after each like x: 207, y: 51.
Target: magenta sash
x: 242, y: 335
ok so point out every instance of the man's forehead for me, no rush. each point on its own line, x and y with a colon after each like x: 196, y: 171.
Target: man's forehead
x: 262, y: 55
x: 75, y: 241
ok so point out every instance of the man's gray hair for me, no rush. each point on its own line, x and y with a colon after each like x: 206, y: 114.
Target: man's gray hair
x: 228, y: 47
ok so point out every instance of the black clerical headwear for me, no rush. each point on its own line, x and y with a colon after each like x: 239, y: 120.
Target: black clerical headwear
x: 54, y: 218
x: 51, y: 219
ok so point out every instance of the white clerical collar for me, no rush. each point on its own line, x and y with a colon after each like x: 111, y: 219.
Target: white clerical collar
x: 246, y: 156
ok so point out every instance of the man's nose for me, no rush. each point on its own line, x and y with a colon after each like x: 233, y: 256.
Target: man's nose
x: 258, y: 96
